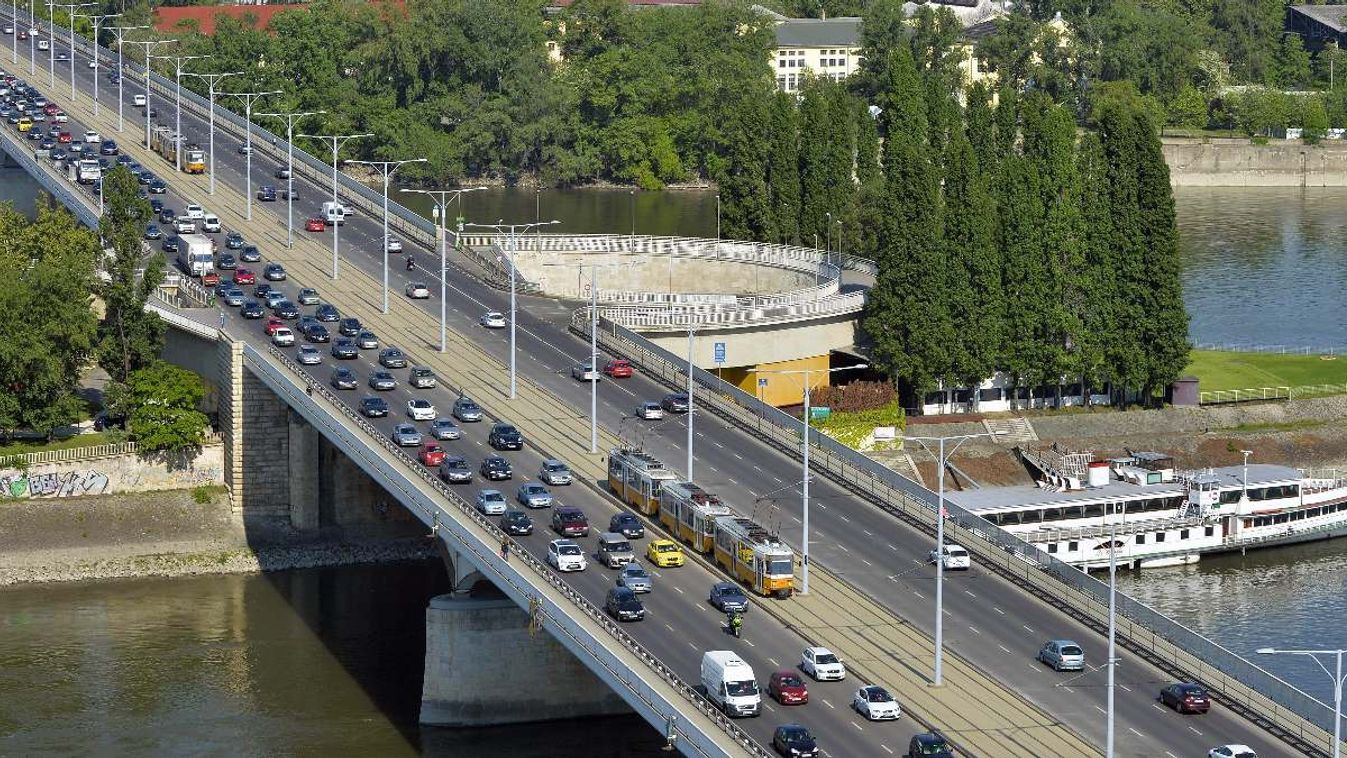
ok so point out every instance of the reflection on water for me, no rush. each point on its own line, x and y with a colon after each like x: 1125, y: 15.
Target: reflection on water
x: 17, y: 187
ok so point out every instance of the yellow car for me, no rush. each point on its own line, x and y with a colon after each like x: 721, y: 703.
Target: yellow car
x: 25, y: 124
x: 664, y: 553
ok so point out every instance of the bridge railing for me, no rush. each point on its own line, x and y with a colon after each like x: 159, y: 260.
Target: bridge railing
x: 1289, y: 711
x: 483, y: 556
x: 680, y: 317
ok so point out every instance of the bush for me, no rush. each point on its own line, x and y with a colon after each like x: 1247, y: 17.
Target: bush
x: 203, y: 494
x: 856, y: 396
x: 851, y: 428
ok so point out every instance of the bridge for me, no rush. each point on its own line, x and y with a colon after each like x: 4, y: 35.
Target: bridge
x: 290, y: 452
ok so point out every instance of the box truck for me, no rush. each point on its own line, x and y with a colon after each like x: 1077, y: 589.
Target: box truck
x: 196, y: 254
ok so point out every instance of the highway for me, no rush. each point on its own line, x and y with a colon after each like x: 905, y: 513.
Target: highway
x: 989, y: 622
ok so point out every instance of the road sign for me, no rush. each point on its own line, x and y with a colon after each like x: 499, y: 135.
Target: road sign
x: 720, y: 352
x: 820, y: 412
x: 762, y: 382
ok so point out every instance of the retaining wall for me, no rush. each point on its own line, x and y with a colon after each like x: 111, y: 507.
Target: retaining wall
x: 1239, y: 163
x: 107, y: 475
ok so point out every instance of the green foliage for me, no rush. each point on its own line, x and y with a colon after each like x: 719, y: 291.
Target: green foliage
x: 129, y: 337
x: 1291, y: 69
x: 1188, y: 108
x: 1314, y: 119
x: 783, y: 170
x: 851, y: 428
x: 163, y: 400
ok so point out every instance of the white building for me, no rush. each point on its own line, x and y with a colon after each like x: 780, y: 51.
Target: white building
x: 825, y: 47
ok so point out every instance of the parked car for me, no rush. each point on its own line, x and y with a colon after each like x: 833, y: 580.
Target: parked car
x: 1186, y: 697
x: 1062, y: 655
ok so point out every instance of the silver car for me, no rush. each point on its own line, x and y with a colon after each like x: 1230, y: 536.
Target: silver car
x: 584, y: 372
x: 649, y: 411
x: 635, y: 578
x: 445, y: 429
x: 308, y: 296
x: 466, y: 410
x: 533, y: 495
x: 309, y: 356
x: 423, y: 378
x: 382, y: 380
x: 406, y: 435
x: 491, y: 502
x: 555, y: 473
x: 367, y: 340
x: 417, y: 290
x: 1063, y: 655
x: 455, y: 470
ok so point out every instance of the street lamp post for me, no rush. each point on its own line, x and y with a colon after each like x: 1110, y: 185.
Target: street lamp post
x: 248, y: 99
x: 211, y: 79
x: 290, y: 119
x: 121, y: 72
x: 93, y: 52
x: 1336, y: 674
x: 51, y: 40
x: 337, y: 141
x: 513, y: 231
x: 32, y: 38
x: 387, y: 169
x: 441, y: 212
x: 1244, y: 479
x: 178, y: 142
x: 943, y: 461
x: 148, y: 43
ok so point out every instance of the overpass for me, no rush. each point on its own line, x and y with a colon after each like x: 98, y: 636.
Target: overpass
x: 870, y: 599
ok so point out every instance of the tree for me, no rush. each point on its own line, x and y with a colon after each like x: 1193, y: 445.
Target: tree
x: 783, y: 170
x: 883, y: 30
x: 743, y: 181
x: 1125, y: 351
x: 1291, y: 68
x: 162, y: 401
x: 1188, y: 108
x: 1007, y: 121
x: 130, y: 337
x: 1099, y: 322
x: 825, y: 160
x: 981, y: 127
x: 1314, y: 119
x: 1023, y: 277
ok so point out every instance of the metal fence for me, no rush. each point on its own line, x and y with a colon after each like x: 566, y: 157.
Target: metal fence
x: 654, y: 318
x: 1257, y: 347
x: 1252, y: 394
x: 56, y: 184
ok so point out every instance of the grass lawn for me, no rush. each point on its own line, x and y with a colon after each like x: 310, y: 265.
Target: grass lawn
x: 79, y: 440
x: 1220, y: 370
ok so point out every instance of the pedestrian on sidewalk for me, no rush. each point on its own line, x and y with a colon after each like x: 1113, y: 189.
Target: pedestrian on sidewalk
x: 222, y: 319
x: 505, y: 549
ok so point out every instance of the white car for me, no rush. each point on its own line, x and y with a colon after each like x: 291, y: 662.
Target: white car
x: 956, y: 558
x: 183, y: 225
x: 309, y: 356
x: 393, y: 244
x: 417, y: 290
x: 93, y: 63
x: 43, y: 44
x: 565, y: 555
x: 876, y: 704
x: 9, y: 28
x: 650, y: 411
x: 138, y: 101
x: 491, y: 502
x: 822, y: 664
x: 493, y: 320
x: 1232, y: 751
x: 584, y: 372
x: 60, y: 117
x: 93, y: 138
x: 211, y: 224
x: 194, y: 211
x: 421, y: 409
x: 283, y: 337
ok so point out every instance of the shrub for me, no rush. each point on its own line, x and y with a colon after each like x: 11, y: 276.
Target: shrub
x: 856, y: 396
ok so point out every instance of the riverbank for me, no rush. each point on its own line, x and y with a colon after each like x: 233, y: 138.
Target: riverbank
x: 1224, y: 162
x: 171, y: 534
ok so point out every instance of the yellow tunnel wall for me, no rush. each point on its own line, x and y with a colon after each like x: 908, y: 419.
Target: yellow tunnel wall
x: 778, y: 389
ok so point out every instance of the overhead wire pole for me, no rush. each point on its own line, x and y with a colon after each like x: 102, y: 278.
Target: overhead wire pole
x: 1337, y: 676
x: 692, y: 333
x: 337, y: 141
x: 211, y: 79
x: 178, y: 142
x: 32, y: 38
x: 442, y: 199
x: 387, y: 169
x: 513, y: 231
x: 248, y: 98
x: 289, y: 168
x: 97, y: 20
x: 121, y: 72
x: 51, y: 40
x: 147, y: 43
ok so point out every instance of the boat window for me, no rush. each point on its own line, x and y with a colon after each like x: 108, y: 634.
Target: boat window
x: 1052, y: 547
x: 1092, y: 511
x: 1210, y: 531
x: 1183, y: 534
x: 1159, y: 536
x: 1141, y: 539
x: 1072, y: 546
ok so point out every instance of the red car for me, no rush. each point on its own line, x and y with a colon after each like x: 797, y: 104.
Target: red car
x: 314, y: 224
x: 431, y: 454
x: 244, y: 276
x: 63, y: 138
x: 273, y: 324
x: 210, y: 279
x: 787, y: 687
x: 618, y: 369
x: 50, y: 109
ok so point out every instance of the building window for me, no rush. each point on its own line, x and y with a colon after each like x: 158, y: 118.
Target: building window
x: 1183, y: 534
x: 781, y: 82
x: 781, y: 64
x: 1072, y: 546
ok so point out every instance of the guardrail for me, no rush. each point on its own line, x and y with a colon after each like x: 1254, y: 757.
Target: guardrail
x: 454, y: 508
x: 1265, y: 698
x: 682, y: 317
x: 1255, y: 347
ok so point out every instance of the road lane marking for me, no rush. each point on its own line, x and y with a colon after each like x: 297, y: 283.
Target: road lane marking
x: 1028, y: 628
x: 1005, y: 649
x: 1133, y: 731
x: 749, y: 643
x: 886, y: 749
x: 973, y: 629
x: 830, y: 705
x: 679, y: 590
x: 970, y: 594
x: 666, y: 626
x: 871, y: 565
x: 998, y: 610
x: 1101, y: 710
x: 918, y: 594
x: 858, y: 726
x: 1125, y: 688
x: 1195, y: 731
x: 773, y: 662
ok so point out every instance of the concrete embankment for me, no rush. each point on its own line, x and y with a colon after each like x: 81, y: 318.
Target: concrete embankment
x: 171, y: 534
x: 1239, y: 163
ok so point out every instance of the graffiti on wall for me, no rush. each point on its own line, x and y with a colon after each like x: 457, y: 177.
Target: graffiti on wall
x: 20, y: 484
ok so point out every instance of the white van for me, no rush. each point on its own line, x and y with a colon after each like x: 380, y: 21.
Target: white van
x: 210, y: 223
x: 334, y: 213
x: 730, y: 683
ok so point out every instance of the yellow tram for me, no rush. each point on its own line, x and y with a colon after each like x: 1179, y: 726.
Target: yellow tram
x: 637, y: 478
x: 690, y: 512
x: 754, y: 556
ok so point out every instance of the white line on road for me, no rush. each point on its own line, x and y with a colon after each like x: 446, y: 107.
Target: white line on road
x: 830, y: 705
x: 858, y: 726
x: 973, y: 629
x: 1171, y: 755
x: 970, y: 594
x: 749, y: 643
x: 1004, y: 649
x: 918, y: 594
x: 679, y: 590
x: 1028, y: 628
x: 871, y: 565
x: 1133, y: 731
x: 891, y: 547
x: 1196, y: 731
x: 886, y: 749
x: 1101, y: 710
x: 1125, y: 687
x: 773, y: 662
x: 998, y: 610
x: 666, y: 626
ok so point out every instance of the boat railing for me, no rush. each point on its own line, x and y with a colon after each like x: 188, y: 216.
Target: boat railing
x: 1104, y: 530
x: 1323, y: 479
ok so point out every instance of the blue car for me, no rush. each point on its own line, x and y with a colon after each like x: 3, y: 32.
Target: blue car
x: 152, y: 232
x: 266, y: 193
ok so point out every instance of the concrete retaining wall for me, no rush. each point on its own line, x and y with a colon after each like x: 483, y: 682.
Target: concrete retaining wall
x: 1239, y: 163
x: 113, y: 474
x: 561, y: 274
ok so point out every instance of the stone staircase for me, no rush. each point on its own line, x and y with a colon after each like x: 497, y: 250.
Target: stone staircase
x: 1017, y: 430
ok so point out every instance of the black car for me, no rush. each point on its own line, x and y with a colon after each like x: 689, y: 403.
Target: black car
x: 676, y: 402
x: 152, y: 232
x: 627, y: 525
x: 156, y: 205
x: 282, y: 172
x: 495, y: 468
x: 726, y: 596
x: 348, y: 327
x: 314, y: 332
x: 286, y: 310
x: 795, y: 741
x: 109, y: 148
x: 516, y: 523
x: 233, y: 241
x: 157, y: 187
x: 170, y: 244
x: 251, y: 309
x: 382, y: 381
x: 250, y: 254
x: 1186, y: 697
x: 391, y: 357
x: 344, y: 349
x: 455, y: 470
x: 623, y: 605
x: 166, y: 216
x: 227, y: 263
x: 505, y: 437
x: 328, y: 312
x: 373, y: 406
x: 261, y: 291
x: 929, y: 745
x: 146, y: 178
x: 125, y: 160
x: 343, y: 378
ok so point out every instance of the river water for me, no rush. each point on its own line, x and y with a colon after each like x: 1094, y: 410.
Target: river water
x: 329, y: 661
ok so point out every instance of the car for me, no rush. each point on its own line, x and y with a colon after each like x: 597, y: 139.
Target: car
x: 250, y: 254
x: 584, y: 372
x: 373, y: 406
x: 344, y: 350
x: 251, y: 309
x: 421, y: 409
x: 675, y: 402
x: 405, y: 435
x: 627, y: 525
x: 664, y: 553
x: 109, y: 148
x: 391, y: 357
x: 314, y: 332
x: 1062, y: 655
x: 264, y: 291
x: 286, y: 310
x: 138, y: 101
x: 875, y: 704
x: 635, y: 578
x: 467, y: 411
x: 227, y: 262
x: 533, y: 495
x: 455, y: 470
x: 491, y: 502
x: 272, y: 297
x: 307, y: 296
x: 290, y: 193
x: 505, y: 437
x: 569, y: 521
x: 431, y: 454
x: 283, y: 337
x: 43, y: 44
x: 1232, y: 751
x: 382, y: 381
x: 245, y: 149
x: 929, y: 745
x: 244, y: 276
x: 493, y: 320
x: 367, y: 340
x: 281, y: 172
x: 266, y: 193
x: 62, y: 57
x: 794, y: 741
x: 622, y: 604
x: 65, y: 138
x: 57, y: 155
x: 233, y: 241
x: 274, y: 272
x: 314, y: 224
x: 210, y: 279
x: 822, y: 664
x: 343, y: 378
x: 787, y: 688
x: 194, y: 211
x: 184, y: 225
x: 92, y: 138
x: 445, y: 429
x: 9, y: 28
x: 417, y: 290
x: 565, y: 555
x: 153, y: 232
x: 348, y: 327
x: 956, y: 558
x: 619, y: 368
x: 393, y: 245
x: 328, y: 313
x: 1186, y: 697
x: 555, y: 473
x: 158, y: 187
x: 496, y: 469
x: 308, y: 355
x: 272, y: 325
x: 422, y: 377
x: 650, y: 411
x: 516, y: 523
x: 727, y: 597
x: 232, y: 297
x: 166, y: 215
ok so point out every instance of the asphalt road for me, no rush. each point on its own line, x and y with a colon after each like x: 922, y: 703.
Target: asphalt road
x: 988, y: 621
